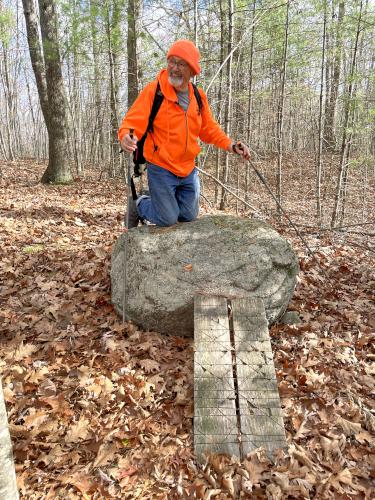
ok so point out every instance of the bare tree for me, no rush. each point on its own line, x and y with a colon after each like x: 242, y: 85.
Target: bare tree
x: 330, y: 111
x: 46, y: 64
x: 320, y: 123
x: 113, y: 13
x: 97, y: 142
x: 220, y: 90
x: 250, y: 96
x: 132, y: 52
x: 280, y: 109
x: 228, y: 110
x: 341, y: 186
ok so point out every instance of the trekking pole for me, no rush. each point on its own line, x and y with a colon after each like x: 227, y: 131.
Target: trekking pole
x: 124, y: 297
x: 264, y: 182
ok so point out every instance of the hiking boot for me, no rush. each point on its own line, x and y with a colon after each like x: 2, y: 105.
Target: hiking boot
x: 144, y: 192
x: 133, y: 215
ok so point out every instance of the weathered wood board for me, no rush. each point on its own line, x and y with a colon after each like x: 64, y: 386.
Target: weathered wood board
x: 236, y: 399
x: 215, y: 418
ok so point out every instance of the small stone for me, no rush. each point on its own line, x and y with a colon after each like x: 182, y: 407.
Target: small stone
x: 290, y: 318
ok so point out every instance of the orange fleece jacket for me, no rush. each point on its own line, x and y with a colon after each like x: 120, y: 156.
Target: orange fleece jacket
x: 174, y: 142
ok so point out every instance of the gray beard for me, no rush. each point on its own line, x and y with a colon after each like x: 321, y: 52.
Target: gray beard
x: 175, y: 81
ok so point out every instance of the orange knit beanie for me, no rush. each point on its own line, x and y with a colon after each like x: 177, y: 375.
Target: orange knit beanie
x: 188, y: 52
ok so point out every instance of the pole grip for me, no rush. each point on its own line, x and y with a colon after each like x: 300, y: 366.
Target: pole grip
x: 238, y: 145
x: 131, y: 133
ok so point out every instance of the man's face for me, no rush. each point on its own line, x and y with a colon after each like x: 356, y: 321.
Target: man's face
x: 179, y: 72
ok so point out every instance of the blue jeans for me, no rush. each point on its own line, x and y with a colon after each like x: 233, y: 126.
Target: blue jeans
x: 172, y: 199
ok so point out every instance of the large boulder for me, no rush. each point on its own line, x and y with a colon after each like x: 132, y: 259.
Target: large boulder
x: 214, y: 255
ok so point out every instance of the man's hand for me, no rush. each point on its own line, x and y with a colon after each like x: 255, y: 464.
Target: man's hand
x: 240, y: 149
x: 128, y: 143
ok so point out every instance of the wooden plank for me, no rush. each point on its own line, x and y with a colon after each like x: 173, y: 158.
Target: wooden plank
x: 210, y: 385
x: 215, y: 419
x: 201, y: 450
x: 208, y: 345
x: 211, y: 323
x: 226, y: 421
x: 210, y: 406
x: 216, y: 410
x: 250, y: 405
x: 250, y: 317
x: 214, y: 363
x: 261, y: 419
x: 249, y: 371
x: 215, y: 430
x: 262, y: 425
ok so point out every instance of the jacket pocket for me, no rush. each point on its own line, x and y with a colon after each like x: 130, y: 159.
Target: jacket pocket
x: 192, y: 151
x: 164, y: 155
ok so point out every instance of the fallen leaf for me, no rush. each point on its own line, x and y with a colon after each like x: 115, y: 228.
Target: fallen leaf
x: 349, y: 428
x: 82, y: 480
x: 256, y: 466
x: 24, y: 351
x: 126, y: 472
x: 105, y: 454
x: 150, y: 365
x: 78, y: 431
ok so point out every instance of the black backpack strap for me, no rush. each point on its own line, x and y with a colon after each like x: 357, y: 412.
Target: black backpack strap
x: 138, y: 157
x: 158, y: 99
x: 198, y: 97
x: 134, y: 191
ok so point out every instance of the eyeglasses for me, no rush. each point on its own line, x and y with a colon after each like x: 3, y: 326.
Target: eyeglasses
x: 182, y: 65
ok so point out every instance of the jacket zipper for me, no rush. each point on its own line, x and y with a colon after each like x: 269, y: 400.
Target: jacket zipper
x: 186, y: 124
x: 187, y: 130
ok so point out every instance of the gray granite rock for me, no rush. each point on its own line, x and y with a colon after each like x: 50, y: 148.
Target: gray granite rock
x: 214, y: 255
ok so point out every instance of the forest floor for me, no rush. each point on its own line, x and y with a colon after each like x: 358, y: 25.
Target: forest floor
x: 99, y: 409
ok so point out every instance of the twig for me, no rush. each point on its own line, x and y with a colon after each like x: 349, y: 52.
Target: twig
x: 361, y: 233
x: 227, y: 189
x: 317, y: 228
x: 361, y: 246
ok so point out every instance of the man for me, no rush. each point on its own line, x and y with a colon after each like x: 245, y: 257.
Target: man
x: 171, y: 148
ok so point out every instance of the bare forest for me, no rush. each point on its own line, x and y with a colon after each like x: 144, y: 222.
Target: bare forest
x: 98, y: 408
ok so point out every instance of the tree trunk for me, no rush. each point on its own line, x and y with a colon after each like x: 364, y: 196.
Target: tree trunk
x: 9, y: 104
x: 97, y: 86
x: 196, y: 22
x: 329, y: 128
x: 74, y: 77
x: 31, y: 107
x: 320, y: 126
x: 48, y: 74
x: 280, y: 112
x: 8, y: 485
x: 220, y: 93
x: 250, y: 98
x: 36, y: 54
x: 132, y: 52
x: 228, y: 111
x: 358, y: 48
x: 113, y: 35
x: 339, y: 204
